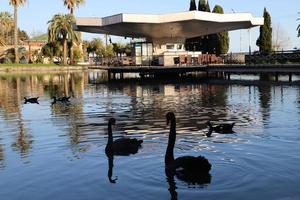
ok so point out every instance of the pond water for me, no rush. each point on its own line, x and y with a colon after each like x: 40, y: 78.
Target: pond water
x: 57, y: 151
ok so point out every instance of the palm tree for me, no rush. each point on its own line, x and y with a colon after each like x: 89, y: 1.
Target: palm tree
x: 61, y: 29
x: 71, y: 4
x: 16, y: 4
x: 6, y: 24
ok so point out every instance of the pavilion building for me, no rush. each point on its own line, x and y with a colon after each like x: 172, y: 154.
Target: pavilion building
x: 164, y: 35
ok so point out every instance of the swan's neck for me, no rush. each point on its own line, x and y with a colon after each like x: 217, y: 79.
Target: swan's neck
x: 110, y: 137
x: 169, y: 157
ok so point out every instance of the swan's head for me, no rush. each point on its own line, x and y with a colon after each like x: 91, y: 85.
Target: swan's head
x: 54, y: 97
x: 170, y: 116
x: 112, y: 121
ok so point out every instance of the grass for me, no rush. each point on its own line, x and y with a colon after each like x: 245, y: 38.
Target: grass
x: 31, y: 65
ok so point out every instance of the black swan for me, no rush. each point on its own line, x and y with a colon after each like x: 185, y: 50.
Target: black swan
x: 122, y: 146
x: 31, y: 100
x: 187, y: 168
x: 220, y: 128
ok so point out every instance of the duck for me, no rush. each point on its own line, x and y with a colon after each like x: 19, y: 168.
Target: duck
x: 187, y: 168
x: 224, y: 128
x: 31, y: 100
x: 122, y: 146
x: 61, y: 99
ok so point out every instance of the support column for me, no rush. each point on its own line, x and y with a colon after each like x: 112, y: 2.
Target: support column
x: 276, y: 76
x: 290, y: 77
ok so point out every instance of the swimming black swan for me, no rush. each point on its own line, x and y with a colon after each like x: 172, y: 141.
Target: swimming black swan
x: 186, y: 168
x: 122, y: 146
x: 220, y: 128
x: 31, y: 100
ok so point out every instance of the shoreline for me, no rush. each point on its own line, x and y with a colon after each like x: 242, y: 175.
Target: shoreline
x: 41, y: 68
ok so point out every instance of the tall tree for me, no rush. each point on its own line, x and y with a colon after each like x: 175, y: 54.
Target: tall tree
x: 298, y: 28
x: 61, y: 28
x: 199, y: 43
x: 264, y: 42
x: 192, y: 5
x: 16, y: 4
x: 6, y: 24
x: 202, y: 5
x: 220, y: 41
x: 71, y: 4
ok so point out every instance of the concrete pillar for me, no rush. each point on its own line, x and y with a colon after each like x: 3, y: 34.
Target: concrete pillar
x: 276, y: 77
x: 290, y: 77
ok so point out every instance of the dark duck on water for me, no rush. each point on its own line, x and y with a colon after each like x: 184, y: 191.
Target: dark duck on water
x: 122, y: 146
x: 187, y: 168
x: 31, y: 100
x: 60, y: 99
x: 224, y: 128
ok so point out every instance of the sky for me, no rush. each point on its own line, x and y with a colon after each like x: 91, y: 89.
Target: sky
x: 35, y: 14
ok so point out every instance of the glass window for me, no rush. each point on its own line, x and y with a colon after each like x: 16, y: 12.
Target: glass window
x: 170, y: 46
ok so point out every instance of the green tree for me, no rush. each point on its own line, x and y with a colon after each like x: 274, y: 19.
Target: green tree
x: 52, y: 50
x: 192, y: 5
x: 16, y: 4
x: 71, y: 4
x: 201, y: 43
x: 219, y: 41
x: 202, y: 5
x: 6, y: 25
x: 61, y: 28
x: 264, y: 42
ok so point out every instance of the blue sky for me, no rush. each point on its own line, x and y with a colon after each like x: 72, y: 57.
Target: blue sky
x: 33, y: 16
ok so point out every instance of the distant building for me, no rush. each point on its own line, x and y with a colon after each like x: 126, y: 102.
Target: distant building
x: 164, y: 35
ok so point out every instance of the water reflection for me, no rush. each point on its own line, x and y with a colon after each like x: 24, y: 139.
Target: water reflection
x: 67, y: 140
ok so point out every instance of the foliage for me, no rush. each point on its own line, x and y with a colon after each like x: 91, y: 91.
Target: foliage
x: 52, y: 50
x: 71, y: 4
x: 61, y: 29
x: 264, y: 42
x: 220, y: 41
x: 77, y: 54
x: 202, y: 5
x: 16, y: 4
x: 201, y: 43
x: 6, y: 25
x: 193, y: 5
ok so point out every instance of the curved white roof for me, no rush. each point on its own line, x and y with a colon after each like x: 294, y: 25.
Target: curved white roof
x: 168, y: 26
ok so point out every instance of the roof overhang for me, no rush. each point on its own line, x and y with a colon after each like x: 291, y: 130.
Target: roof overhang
x: 165, y: 27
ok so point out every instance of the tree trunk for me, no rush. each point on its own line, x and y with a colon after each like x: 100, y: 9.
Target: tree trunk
x: 72, y: 48
x: 72, y: 53
x: 65, y: 50
x: 16, y: 33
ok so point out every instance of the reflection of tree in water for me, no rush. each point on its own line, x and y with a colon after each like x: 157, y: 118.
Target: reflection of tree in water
x: 71, y: 113
x: 265, y: 101
x: 1, y: 156
x: 13, y: 87
x: 23, y: 141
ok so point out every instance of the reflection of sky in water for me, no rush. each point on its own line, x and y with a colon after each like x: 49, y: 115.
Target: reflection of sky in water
x: 59, y: 149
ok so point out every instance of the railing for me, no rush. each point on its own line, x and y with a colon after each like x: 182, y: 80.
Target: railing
x: 274, y: 57
x: 161, y: 60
